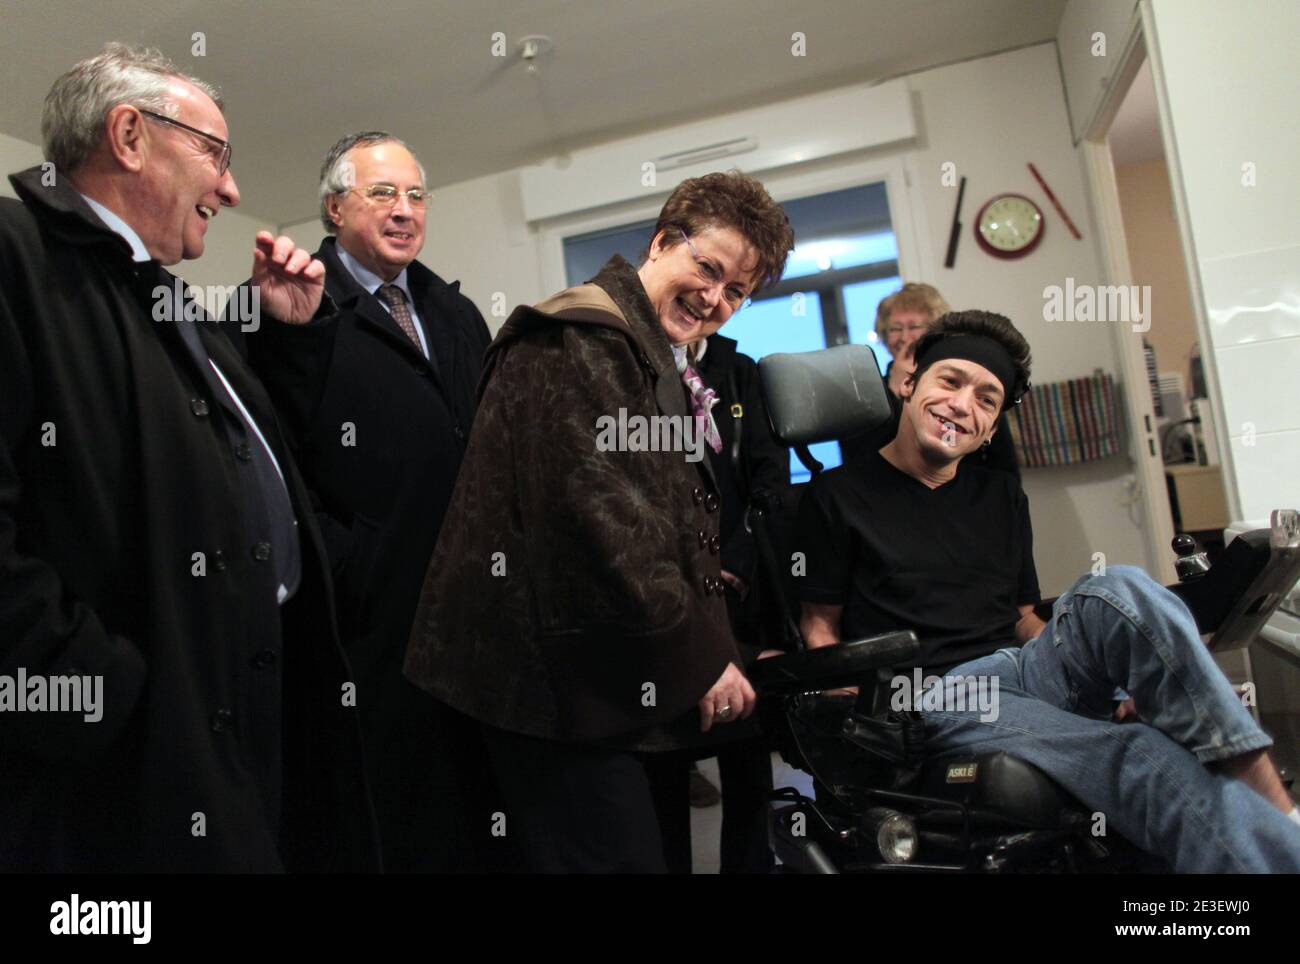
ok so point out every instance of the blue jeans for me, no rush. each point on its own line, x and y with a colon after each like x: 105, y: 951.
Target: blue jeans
x: 1055, y: 701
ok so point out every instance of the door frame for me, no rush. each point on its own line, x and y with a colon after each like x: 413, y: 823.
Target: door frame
x: 1150, y: 489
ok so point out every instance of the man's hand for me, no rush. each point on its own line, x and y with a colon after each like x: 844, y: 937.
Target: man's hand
x: 820, y: 626
x: 1029, y: 625
x: 731, y: 698
x: 289, y: 280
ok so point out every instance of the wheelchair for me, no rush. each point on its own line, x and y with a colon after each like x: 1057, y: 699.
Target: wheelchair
x: 884, y: 804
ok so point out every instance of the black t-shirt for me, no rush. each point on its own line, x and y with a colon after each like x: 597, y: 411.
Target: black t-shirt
x: 951, y: 563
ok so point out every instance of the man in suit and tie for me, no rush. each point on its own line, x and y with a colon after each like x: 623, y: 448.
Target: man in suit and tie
x: 156, y: 541
x: 379, y: 400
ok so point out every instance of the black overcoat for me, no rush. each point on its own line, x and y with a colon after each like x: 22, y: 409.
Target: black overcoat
x: 226, y: 742
x: 380, y: 431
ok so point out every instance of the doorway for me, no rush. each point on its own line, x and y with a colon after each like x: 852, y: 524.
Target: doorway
x: 1171, y: 409
x: 1186, y: 430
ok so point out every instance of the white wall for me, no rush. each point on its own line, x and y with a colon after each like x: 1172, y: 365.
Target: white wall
x: 1231, y: 85
x: 228, y: 249
x: 15, y: 156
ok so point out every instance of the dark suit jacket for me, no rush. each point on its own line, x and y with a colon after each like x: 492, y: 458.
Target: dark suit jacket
x: 216, y: 701
x: 379, y: 431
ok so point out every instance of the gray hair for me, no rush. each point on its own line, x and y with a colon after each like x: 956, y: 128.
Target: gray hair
x: 72, y: 121
x: 337, y: 178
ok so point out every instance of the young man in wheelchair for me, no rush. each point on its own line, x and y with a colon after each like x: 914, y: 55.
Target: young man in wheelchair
x: 910, y: 538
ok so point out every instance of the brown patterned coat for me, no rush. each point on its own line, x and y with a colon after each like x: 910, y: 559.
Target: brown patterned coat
x: 567, y: 578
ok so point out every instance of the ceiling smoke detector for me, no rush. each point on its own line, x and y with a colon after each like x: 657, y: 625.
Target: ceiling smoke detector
x: 532, y: 47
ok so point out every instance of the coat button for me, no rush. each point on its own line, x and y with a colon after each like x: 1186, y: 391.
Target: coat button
x: 460, y: 433
x: 264, y: 659
x: 262, y: 551
x: 199, y: 407
x: 243, y: 452
x: 711, y: 503
x: 715, y: 544
x: 708, y: 585
x: 221, y: 720
x: 697, y: 495
x: 219, y: 561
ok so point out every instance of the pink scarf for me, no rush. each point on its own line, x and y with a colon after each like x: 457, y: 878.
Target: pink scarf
x: 703, y: 398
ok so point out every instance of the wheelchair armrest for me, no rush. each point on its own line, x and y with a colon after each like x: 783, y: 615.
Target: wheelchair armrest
x: 1264, y: 566
x: 832, y: 666
x: 1211, y: 597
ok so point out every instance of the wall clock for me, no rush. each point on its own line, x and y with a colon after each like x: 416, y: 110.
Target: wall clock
x: 1009, y: 226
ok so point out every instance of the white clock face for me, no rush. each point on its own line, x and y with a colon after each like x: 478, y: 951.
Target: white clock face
x: 1010, y: 223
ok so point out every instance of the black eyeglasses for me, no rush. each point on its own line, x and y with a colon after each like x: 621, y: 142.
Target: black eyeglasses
x: 223, y: 163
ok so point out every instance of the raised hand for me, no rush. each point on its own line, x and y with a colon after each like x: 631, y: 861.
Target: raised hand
x: 289, y: 280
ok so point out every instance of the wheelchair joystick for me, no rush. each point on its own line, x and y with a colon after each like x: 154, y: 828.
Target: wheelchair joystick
x: 1190, y: 563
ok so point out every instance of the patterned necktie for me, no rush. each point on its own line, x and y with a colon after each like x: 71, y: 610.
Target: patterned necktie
x: 395, y: 298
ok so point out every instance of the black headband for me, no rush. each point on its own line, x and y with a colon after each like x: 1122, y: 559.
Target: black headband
x: 983, y: 351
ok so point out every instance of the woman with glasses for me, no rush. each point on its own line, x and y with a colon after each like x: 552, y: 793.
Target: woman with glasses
x: 574, y: 604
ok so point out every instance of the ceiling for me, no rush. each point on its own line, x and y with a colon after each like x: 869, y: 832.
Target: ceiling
x: 1135, y: 133
x: 297, y: 75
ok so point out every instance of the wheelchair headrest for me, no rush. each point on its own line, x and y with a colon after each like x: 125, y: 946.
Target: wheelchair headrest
x: 816, y: 396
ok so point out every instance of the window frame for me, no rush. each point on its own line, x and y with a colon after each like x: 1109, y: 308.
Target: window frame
x: 784, y: 184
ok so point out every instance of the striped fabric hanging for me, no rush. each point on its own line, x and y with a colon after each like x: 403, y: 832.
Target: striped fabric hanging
x: 1066, y: 422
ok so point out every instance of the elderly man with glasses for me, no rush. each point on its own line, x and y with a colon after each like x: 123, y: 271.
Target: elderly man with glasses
x: 160, y: 565
x: 379, y: 399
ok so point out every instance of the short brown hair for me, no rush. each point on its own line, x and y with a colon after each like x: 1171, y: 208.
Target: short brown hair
x: 997, y: 327
x: 913, y: 296
x: 731, y: 200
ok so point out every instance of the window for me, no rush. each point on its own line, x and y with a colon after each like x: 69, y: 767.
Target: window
x: 844, y: 262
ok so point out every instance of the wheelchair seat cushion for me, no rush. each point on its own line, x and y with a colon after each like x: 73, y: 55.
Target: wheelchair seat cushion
x: 1000, y: 788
